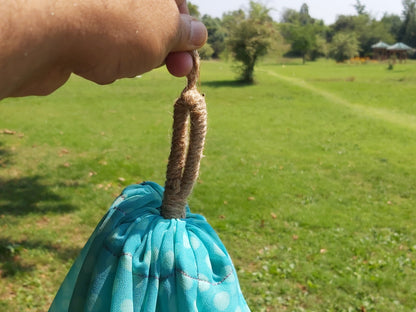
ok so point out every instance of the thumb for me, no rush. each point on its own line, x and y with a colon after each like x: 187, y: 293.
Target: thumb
x: 192, y: 34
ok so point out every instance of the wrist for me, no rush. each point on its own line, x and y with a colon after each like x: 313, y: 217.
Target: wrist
x: 31, y: 45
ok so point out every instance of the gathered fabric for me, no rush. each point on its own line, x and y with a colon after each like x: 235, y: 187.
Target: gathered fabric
x: 136, y: 260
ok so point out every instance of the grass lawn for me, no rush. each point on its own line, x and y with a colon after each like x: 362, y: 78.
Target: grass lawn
x: 309, y: 179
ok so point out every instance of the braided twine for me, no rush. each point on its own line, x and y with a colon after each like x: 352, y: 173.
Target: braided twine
x: 187, y: 146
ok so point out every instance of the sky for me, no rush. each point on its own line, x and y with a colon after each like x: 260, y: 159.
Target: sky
x: 327, y: 10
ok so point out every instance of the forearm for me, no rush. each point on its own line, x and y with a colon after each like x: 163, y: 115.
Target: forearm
x: 30, y: 44
x: 43, y: 41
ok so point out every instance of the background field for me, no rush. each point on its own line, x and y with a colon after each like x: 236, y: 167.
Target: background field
x: 309, y: 179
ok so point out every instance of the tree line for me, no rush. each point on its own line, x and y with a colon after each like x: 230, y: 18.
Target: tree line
x: 249, y: 34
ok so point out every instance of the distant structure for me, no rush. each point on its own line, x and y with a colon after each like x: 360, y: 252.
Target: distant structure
x: 380, y: 51
x: 398, y: 51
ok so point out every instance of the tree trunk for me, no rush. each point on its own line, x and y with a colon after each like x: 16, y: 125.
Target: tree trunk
x: 248, y: 73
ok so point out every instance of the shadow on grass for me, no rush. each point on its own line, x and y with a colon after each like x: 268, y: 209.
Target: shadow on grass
x: 5, y: 156
x: 226, y: 83
x: 27, y: 194
x: 20, y: 196
x: 12, y: 255
x: 23, y: 195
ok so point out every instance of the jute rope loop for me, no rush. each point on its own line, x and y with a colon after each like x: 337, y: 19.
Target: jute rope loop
x: 187, y: 146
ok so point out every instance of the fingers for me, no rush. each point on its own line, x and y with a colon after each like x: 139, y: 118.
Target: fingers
x: 191, y: 35
x: 182, y: 6
x: 179, y: 64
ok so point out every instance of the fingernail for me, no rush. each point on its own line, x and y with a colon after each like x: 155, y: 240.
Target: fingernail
x: 198, y: 33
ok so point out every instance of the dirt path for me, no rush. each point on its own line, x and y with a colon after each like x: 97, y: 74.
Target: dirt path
x: 400, y: 119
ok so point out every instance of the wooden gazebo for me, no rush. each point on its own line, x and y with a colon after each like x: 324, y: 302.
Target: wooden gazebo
x: 399, y: 50
x: 380, y: 51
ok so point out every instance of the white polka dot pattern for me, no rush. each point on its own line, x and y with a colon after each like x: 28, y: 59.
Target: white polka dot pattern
x: 137, y: 261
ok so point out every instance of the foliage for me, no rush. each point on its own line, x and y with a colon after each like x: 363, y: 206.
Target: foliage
x: 374, y: 32
x: 306, y: 41
x: 279, y: 47
x: 304, y: 33
x: 289, y: 16
x: 302, y: 39
x: 308, y: 37
x: 250, y: 37
x: 366, y: 29
x: 193, y: 10
x: 392, y: 24
x: 344, y: 46
x: 228, y: 22
x: 216, y: 34
x: 302, y: 17
x: 360, y: 8
x: 407, y: 32
x: 321, y: 48
x: 206, y: 52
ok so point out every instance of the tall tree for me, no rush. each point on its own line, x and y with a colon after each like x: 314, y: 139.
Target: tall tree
x: 304, y: 17
x: 359, y: 7
x: 392, y: 23
x: 194, y: 10
x: 289, y: 16
x: 303, y: 33
x: 216, y: 34
x: 302, y: 39
x: 407, y: 32
x: 249, y: 37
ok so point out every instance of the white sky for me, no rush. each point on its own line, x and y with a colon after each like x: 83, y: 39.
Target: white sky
x: 320, y: 9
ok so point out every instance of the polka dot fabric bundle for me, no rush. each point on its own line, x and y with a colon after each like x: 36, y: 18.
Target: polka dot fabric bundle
x: 138, y: 261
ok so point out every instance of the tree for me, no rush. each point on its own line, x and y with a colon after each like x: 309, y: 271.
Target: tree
x: 392, y: 23
x: 344, y: 46
x: 407, y: 32
x: 376, y: 31
x: 249, y: 37
x: 290, y: 16
x: 360, y: 8
x: 194, y: 10
x: 321, y: 48
x: 304, y: 33
x: 304, y: 17
x: 279, y: 46
x: 216, y: 34
x: 302, y: 39
x: 206, y: 52
x: 366, y: 29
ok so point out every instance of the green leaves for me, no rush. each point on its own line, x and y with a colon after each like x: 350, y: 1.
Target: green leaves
x: 250, y: 37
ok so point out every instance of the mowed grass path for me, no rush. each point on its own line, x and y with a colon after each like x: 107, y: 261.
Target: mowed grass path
x: 309, y: 179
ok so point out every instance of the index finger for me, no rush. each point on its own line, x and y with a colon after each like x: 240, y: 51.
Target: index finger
x: 182, y: 6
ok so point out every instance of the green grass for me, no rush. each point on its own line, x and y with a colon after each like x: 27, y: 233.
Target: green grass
x: 308, y: 179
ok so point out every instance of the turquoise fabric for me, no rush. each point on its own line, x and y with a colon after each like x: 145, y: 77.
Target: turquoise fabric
x: 138, y: 261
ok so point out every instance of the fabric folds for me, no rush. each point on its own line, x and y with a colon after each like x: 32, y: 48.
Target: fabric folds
x: 137, y: 261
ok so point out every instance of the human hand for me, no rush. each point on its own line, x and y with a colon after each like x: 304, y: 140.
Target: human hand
x: 180, y: 63
x: 152, y: 32
x: 44, y: 41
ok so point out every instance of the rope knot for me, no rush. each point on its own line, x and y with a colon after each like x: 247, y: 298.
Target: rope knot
x: 187, y: 146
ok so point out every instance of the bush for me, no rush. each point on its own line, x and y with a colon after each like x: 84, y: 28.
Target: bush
x: 344, y: 46
x: 206, y: 52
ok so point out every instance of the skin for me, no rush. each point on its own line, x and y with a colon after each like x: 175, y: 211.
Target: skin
x: 42, y: 42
